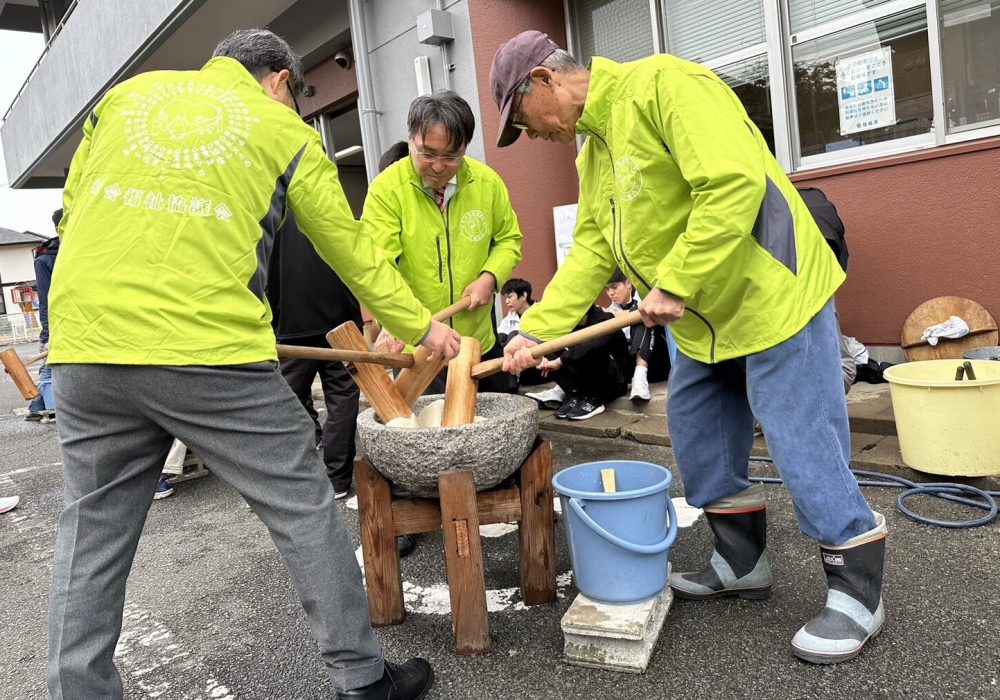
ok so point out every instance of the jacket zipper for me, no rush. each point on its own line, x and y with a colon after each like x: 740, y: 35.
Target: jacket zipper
x: 440, y: 274
x: 618, y: 235
x: 451, y: 276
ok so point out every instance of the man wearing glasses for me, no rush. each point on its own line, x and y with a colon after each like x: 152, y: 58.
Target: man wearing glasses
x: 445, y: 221
x: 679, y: 190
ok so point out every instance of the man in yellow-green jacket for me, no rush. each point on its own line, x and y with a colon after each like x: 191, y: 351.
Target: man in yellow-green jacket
x: 679, y: 190
x: 445, y: 221
x: 160, y: 328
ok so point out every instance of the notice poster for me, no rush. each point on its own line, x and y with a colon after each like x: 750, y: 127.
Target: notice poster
x: 565, y: 220
x: 865, y: 92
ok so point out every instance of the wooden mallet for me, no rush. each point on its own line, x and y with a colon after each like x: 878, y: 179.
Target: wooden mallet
x: 461, y: 388
x: 413, y: 382
x: 373, y: 381
x: 18, y: 368
x: 18, y: 371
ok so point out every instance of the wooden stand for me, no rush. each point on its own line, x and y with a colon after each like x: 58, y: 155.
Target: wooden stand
x: 458, y: 513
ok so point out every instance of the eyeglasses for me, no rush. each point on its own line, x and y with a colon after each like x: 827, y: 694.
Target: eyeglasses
x: 518, y: 121
x: 429, y: 158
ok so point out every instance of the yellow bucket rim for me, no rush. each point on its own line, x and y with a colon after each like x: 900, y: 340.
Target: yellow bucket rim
x: 891, y: 372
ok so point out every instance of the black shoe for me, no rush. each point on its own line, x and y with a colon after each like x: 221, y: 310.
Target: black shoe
x: 406, y: 681
x: 405, y: 544
x: 568, y: 406
x: 585, y: 408
x: 33, y: 417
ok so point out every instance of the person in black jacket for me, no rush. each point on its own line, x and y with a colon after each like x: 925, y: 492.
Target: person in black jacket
x: 307, y: 299
x: 590, y: 374
x: 650, y: 359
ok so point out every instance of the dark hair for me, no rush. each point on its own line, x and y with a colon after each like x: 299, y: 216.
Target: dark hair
x: 262, y: 52
x: 396, y: 151
x: 57, y: 216
x: 516, y: 286
x: 449, y: 110
x: 617, y: 277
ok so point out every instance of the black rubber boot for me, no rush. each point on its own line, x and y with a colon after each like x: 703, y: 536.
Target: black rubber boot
x: 407, y: 681
x: 853, y: 614
x: 739, y: 564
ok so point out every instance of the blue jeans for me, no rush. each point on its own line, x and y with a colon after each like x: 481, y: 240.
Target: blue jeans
x: 38, y: 403
x: 795, y: 390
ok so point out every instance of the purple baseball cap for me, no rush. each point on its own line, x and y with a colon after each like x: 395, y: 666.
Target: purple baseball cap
x: 511, y: 65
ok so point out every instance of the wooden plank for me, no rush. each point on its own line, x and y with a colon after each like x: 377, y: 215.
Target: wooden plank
x: 537, y: 527
x: 373, y: 381
x: 608, y: 480
x: 464, y: 560
x: 460, y: 391
x: 419, y: 515
x: 982, y: 327
x: 378, y: 545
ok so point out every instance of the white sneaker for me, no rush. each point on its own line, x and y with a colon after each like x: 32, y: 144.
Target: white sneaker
x: 550, y: 398
x: 640, y: 389
x: 337, y: 495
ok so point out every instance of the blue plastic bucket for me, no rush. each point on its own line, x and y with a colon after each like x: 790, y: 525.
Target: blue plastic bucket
x: 618, y: 542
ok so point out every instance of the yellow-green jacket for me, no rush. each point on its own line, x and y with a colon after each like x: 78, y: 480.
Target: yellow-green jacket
x: 440, y: 253
x: 679, y: 190
x: 172, y: 203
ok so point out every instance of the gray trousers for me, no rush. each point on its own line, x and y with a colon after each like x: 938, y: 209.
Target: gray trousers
x: 115, y: 426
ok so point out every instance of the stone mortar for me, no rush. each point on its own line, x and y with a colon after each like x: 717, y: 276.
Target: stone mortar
x: 493, y: 449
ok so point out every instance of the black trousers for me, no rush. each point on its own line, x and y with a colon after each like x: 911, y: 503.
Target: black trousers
x: 651, y: 345
x: 340, y: 394
x: 595, y: 375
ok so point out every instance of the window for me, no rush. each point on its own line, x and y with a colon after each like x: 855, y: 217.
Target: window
x: 826, y: 81
x: 750, y: 81
x: 622, y: 30
x: 698, y: 36
x: 835, y: 103
x: 970, y: 45
x: 806, y: 14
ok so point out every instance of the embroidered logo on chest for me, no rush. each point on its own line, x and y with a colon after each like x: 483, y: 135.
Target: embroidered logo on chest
x: 628, y: 178
x: 473, y: 225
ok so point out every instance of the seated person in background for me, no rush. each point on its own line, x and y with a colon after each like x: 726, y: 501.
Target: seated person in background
x: 647, y: 346
x: 588, y: 375
x: 516, y: 296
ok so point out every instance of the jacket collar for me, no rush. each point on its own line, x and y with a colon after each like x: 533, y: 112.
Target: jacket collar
x: 604, y: 75
x: 233, y: 70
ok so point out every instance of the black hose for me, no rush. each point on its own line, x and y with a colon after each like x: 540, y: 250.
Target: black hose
x: 947, y: 491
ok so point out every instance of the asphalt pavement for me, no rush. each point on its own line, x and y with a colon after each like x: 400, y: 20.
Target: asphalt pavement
x: 211, y: 614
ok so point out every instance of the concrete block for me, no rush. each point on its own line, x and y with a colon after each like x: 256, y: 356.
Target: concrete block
x: 651, y: 430
x: 613, y: 637
x: 608, y: 424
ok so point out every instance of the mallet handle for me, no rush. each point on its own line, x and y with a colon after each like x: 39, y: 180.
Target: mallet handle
x: 388, y: 359
x: 35, y: 358
x: 449, y: 311
x: 485, y: 369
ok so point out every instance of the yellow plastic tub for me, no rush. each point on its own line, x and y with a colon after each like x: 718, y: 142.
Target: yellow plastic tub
x: 947, y: 426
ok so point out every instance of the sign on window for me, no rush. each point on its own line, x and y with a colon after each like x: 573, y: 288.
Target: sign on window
x: 865, y: 92
x: 564, y: 217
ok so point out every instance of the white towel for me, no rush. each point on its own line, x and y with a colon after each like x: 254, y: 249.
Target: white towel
x: 954, y: 327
